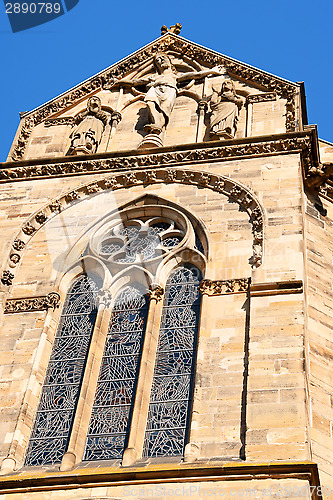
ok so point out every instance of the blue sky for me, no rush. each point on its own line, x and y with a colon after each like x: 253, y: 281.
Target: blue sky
x: 292, y: 39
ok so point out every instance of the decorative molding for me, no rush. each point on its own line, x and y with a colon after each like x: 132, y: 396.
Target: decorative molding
x: 30, y: 304
x: 224, y: 287
x: 18, y: 244
x: 264, y: 97
x: 7, y: 278
x: 62, y: 120
x: 168, y: 42
x: 223, y: 152
x: 238, y: 193
x: 29, y: 229
x: 155, y: 292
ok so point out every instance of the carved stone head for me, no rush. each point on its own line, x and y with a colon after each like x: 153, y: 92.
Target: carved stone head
x: 228, y: 86
x: 94, y: 104
x: 162, y: 61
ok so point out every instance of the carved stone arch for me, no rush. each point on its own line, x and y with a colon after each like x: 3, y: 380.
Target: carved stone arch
x: 235, y: 191
x: 182, y: 256
x: 87, y: 264
x: 130, y: 275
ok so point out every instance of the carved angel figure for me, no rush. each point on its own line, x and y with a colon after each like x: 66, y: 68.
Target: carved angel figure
x: 90, y: 126
x: 225, y: 106
x: 162, y: 90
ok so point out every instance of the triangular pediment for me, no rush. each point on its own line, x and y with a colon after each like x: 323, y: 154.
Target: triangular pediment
x: 169, y: 43
x: 187, y: 57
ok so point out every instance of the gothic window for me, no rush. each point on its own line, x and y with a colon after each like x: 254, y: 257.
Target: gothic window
x: 131, y: 248
x: 62, y: 383
x: 171, y: 392
x: 111, y: 414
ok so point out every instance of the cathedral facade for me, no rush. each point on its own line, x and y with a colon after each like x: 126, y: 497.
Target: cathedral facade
x: 166, y: 287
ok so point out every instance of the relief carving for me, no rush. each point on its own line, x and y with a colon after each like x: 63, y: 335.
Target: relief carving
x: 90, y: 125
x: 162, y: 88
x: 42, y: 303
x: 55, y: 206
x: 267, y: 96
x: 220, y: 153
x: 29, y: 229
x: 41, y: 218
x: 7, y: 278
x: 117, y: 72
x: 223, y: 287
x: 18, y: 245
x: 14, y: 259
x: 155, y: 292
x: 62, y: 120
x: 72, y: 196
x: 93, y: 188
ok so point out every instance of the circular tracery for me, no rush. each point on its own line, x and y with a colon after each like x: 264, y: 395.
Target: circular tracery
x: 140, y: 240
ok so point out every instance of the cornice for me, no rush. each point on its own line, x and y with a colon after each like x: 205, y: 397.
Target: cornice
x: 293, y: 142
x: 104, y: 475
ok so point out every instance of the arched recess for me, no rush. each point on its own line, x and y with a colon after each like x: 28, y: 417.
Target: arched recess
x: 235, y: 191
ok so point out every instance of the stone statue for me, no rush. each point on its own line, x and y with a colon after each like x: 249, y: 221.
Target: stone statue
x: 225, y: 106
x: 162, y: 90
x: 90, y: 126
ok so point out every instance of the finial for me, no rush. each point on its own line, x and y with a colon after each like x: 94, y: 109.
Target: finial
x: 173, y: 29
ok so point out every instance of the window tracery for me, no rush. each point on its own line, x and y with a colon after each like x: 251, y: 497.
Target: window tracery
x: 131, y: 242
x: 141, y: 240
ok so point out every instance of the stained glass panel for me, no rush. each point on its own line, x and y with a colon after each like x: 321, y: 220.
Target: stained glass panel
x: 114, y: 399
x: 171, y: 392
x: 62, y: 383
x: 141, y: 240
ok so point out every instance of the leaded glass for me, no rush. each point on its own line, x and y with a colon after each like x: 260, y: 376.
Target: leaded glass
x: 171, y: 392
x: 141, y: 240
x: 115, y: 393
x: 62, y: 383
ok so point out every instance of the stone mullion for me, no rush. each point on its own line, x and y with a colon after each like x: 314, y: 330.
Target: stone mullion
x: 83, y: 411
x: 142, y: 397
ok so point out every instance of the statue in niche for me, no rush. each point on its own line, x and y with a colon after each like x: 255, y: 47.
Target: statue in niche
x: 162, y: 90
x: 225, y: 106
x: 90, y: 125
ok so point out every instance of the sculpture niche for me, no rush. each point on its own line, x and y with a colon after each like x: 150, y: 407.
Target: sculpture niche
x: 90, y: 125
x: 162, y: 88
x: 225, y: 106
